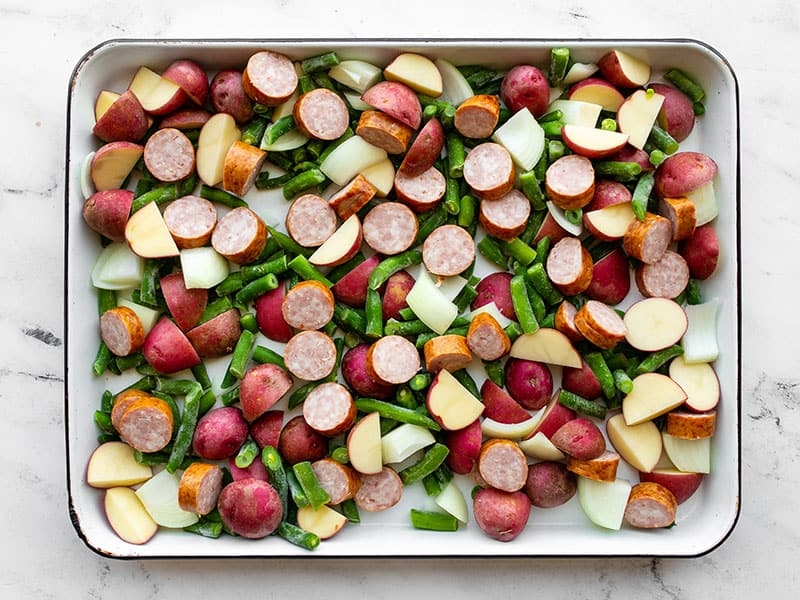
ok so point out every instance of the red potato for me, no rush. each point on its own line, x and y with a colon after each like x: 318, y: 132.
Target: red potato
x: 167, y: 349
x: 250, y: 508
x: 217, y: 336
x: 425, y: 149
x: 465, y: 446
x: 191, y: 77
x: 185, y: 118
x: 525, y: 86
x: 394, y: 294
x: 701, y: 251
x: 354, y: 371
x: 255, y: 470
x: 550, y: 228
x: 352, y: 287
x: 107, y: 212
x: 397, y: 100
x: 495, y: 287
x: 608, y: 192
x: 579, y: 438
x: 500, y: 406
x: 581, y: 381
x: 550, y: 484
x: 261, y: 388
x: 682, y: 484
x: 501, y: 515
x: 676, y: 116
x: 623, y: 69
x: 219, y: 433
x: 299, y: 442
x: 185, y: 305
x: 227, y: 95
x: 266, y: 429
x: 124, y: 120
x: 529, y: 382
x: 632, y: 154
x: 112, y: 164
x: 269, y: 317
x: 683, y: 172
x: 554, y: 416
x: 611, y: 278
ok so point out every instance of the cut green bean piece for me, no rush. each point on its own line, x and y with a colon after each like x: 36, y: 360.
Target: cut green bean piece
x: 641, y: 195
x: 300, y: 265
x: 623, y: 381
x: 221, y: 196
x: 522, y: 305
x: 183, y: 438
x: 391, y: 265
x: 430, y: 461
x: 396, y: 413
x: 559, y: 62
x: 263, y: 354
x: 432, y: 520
x: 605, y: 377
x: 247, y: 454
x: 582, y: 405
x: 316, y: 494
x: 302, y: 182
x: 658, y: 359
x: 320, y: 62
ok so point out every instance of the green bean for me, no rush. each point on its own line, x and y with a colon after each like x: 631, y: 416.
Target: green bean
x: 430, y: 222
x: 349, y: 319
x: 662, y: 140
x: 537, y: 303
x: 348, y: 133
x: 452, y: 196
x: 686, y: 84
x: 432, y: 520
x: 254, y: 131
x: 266, y: 181
x: 405, y: 328
x: 246, y: 454
x: 233, y: 282
x: 492, y: 251
x: 513, y: 330
x: 216, y: 307
x: 257, y: 288
x: 694, y: 294
x: 420, y: 381
x: 287, y: 243
x: 559, y: 62
x: 623, y: 381
x: 604, y: 375
x: 103, y: 422
x: 102, y: 360
x: 373, y: 311
x: 277, y: 129
x: 350, y: 510
x: 209, y: 529
x: 219, y: 196
x: 619, y: 170
x: 537, y: 276
x: 320, y: 62
x: 494, y: 371
x: 430, y: 461
x: 339, y: 454
x: 303, y: 181
x: 316, y: 494
x: 542, y: 250
x: 555, y: 150
x: 183, y: 438
x: 466, y: 212
x: 574, y: 216
x: 263, y: 354
x: 658, y: 359
x: 298, y: 396
x: 160, y: 195
x: 404, y: 397
x: 200, y: 373
x: 465, y: 297
x: 277, y: 475
x: 275, y: 266
x: 552, y: 129
x: 641, y: 195
x: 387, y: 410
x: 581, y: 404
x: 207, y: 402
x: 466, y: 380
x: 248, y: 321
x: 436, y: 481
x: 656, y: 157
x: 305, y: 83
x: 518, y: 250
x: 522, y: 305
x: 300, y: 265
x: 297, y: 535
x: 391, y: 265
x: 455, y: 155
x: 241, y: 354
x: 296, y: 491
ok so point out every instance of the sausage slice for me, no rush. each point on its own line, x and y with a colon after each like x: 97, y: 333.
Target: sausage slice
x: 329, y: 409
x: 240, y: 235
x: 665, y: 278
x: 384, y: 131
x: 600, y: 324
x: 392, y: 359
x: 448, y: 250
x: 269, y: 78
x: 242, y: 165
x: 321, y: 114
x: 569, y: 266
x: 507, y: 216
x: 352, y: 197
x: 390, y: 228
x: 503, y: 465
x: 421, y: 192
x: 650, y: 506
x: 379, y: 491
x: 569, y: 181
x: 122, y: 330
x: 647, y: 240
x: 169, y: 155
x: 339, y: 480
x: 489, y: 170
x: 310, y: 220
x: 477, y: 116
x: 310, y: 355
x: 191, y: 221
x: 146, y: 424
x: 308, y: 305
x: 199, y: 488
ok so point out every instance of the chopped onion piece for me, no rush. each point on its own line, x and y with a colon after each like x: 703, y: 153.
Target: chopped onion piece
x: 451, y: 500
x: 510, y: 431
x: 575, y: 229
x: 117, y: 268
x: 349, y: 158
x: 700, y: 340
x: 148, y: 316
x: 87, y: 185
x: 523, y: 137
x: 403, y: 441
x: 203, y: 267
x: 358, y: 75
x: 578, y: 72
x: 455, y: 87
x: 159, y: 495
x: 430, y: 305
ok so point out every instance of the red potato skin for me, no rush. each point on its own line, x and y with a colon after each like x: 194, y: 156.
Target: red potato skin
x: 220, y: 433
x: 397, y: 100
x: 525, y: 86
x: 495, y: 287
x: 185, y: 305
x: 682, y: 485
x: 125, y: 120
x: 465, y: 447
x: 501, y: 515
x: 185, y: 118
x: 269, y: 317
x: 394, y: 294
x: 677, y: 112
x: 191, y: 77
x: 107, y: 212
x: 556, y: 414
x: 299, y: 442
x: 611, y: 278
x: 529, y: 382
x: 608, y: 192
x: 167, y: 349
x: 354, y: 371
x: 227, y: 95
x: 582, y: 381
x: 550, y: 484
x: 701, y: 251
x: 218, y: 336
x: 261, y: 388
x: 250, y: 508
x: 266, y: 429
x: 550, y: 228
x: 256, y: 470
x: 425, y: 149
x: 632, y: 154
x: 352, y: 288
x: 579, y: 438
x: 682, y: 172
x: 500, y: 406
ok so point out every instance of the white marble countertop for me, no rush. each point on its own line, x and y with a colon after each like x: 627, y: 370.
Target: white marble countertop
x: 42, y: 556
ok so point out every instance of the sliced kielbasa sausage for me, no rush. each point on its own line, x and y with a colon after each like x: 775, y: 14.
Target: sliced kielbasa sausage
x: 379, y: 491
x: 329, y: 409
x: 600, y: 324
x: 339, y: 480
x: 665, y: 278
x: 242, y: 165
x: 503, y: 465
x: 505, y: 217
x: 240, y: 235
x: 420, y: 192
x: 682, y: 214
x: 308, y: 305
x: 122, y: 331
x: 448, y: 250
x: 569, y: 266
x: 269, y: 78
x: 392, y: 359
x: 486, y: 339
x: 477, y: 116
x: 321, y: 114
x: 352, y: 197
x: 146, y: 424
x: 384, y: 131
x: 199, y: 488
x: 489, y: 170
x: 650, y: 506
x: 647, y: 240
x: 169, y: 155
x: 390, y: 228
x: 310, y: 220
x: 310, y: 355
x: 569, y: 181
x: 191, y: 221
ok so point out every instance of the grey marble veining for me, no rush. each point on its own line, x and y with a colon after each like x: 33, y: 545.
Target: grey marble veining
x: 43, y: 558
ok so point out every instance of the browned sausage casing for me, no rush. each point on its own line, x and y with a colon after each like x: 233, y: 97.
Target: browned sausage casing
x: 384, y: 131
x: 569, y: 266
x: 122, y: 330
x: 600, y: 324
x: 199, y: 488
x: 240, y: 235
x: 569, y: 181
x: 242, y: 165
x: 650, y: 506
x: 269, y: 78
x: 647, y: 240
